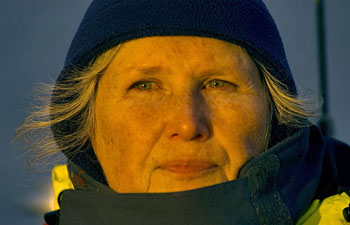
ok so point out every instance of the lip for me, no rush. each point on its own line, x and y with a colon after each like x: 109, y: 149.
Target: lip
x: 188, y: 168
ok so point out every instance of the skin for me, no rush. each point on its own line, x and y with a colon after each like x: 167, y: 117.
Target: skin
x: 200, y: 114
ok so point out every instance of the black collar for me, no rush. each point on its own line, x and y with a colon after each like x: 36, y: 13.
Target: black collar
x: 273, y: 188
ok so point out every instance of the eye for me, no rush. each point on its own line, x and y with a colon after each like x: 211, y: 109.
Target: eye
x: 219, y: 84
x: 143, y: 85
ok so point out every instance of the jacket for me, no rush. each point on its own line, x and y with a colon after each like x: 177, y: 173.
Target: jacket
x: 290, y: 183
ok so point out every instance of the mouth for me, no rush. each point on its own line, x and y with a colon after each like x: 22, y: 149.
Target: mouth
x: 189, y: 168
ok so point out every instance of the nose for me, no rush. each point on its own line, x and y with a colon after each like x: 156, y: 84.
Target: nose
x: 188, y: 119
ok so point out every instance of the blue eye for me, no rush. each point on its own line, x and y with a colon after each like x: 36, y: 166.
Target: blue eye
x: 148, y: 85
x: 220, y: 84
x: 143, y: 85
x: 216, y: 84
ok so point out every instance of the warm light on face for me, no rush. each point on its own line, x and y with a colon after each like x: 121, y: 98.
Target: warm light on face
x: 178, y: 113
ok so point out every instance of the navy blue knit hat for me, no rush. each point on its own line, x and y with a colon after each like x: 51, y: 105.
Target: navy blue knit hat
x: 110, y: 22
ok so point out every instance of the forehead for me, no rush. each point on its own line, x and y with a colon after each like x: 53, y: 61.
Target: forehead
x: 185, y: 52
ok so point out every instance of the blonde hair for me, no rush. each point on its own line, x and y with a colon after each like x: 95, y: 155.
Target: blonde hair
x: 53, y: 108
x: 290, y: 109
x: 81, y: 88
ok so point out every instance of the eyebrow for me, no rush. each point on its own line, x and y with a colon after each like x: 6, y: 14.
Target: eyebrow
x: 148, y: 70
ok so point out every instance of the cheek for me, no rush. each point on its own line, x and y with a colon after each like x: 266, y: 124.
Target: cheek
x: 241, y: 123
x: 125, y: 131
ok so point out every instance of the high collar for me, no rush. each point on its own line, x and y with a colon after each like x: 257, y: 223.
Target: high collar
x: 273, y: 188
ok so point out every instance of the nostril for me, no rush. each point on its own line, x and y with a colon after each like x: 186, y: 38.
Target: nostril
x: 174, y: 135
x: 199, y: 136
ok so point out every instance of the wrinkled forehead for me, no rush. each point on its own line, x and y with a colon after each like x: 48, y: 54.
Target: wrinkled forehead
x: 156, y: 54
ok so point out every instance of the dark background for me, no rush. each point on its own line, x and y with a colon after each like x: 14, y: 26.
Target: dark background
x: 35, y: 36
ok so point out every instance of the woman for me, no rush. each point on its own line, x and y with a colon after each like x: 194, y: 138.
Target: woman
x: 186, y: 112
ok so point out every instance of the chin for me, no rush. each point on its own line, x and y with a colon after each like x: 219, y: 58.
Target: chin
x: 168, y: 181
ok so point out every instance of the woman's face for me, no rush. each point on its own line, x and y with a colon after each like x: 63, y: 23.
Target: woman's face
x: 177, y: 113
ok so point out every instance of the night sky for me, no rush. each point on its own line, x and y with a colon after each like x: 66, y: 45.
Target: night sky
x: 35, y: 36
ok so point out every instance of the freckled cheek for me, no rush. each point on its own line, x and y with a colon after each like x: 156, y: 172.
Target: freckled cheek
x: 142, y: 116
x: 243, y: 120
x: 127, y: 128
x: 124, y: 139
x: 133, y: 116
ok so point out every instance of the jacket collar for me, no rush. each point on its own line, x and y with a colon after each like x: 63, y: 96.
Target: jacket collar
x: 273, y: 188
